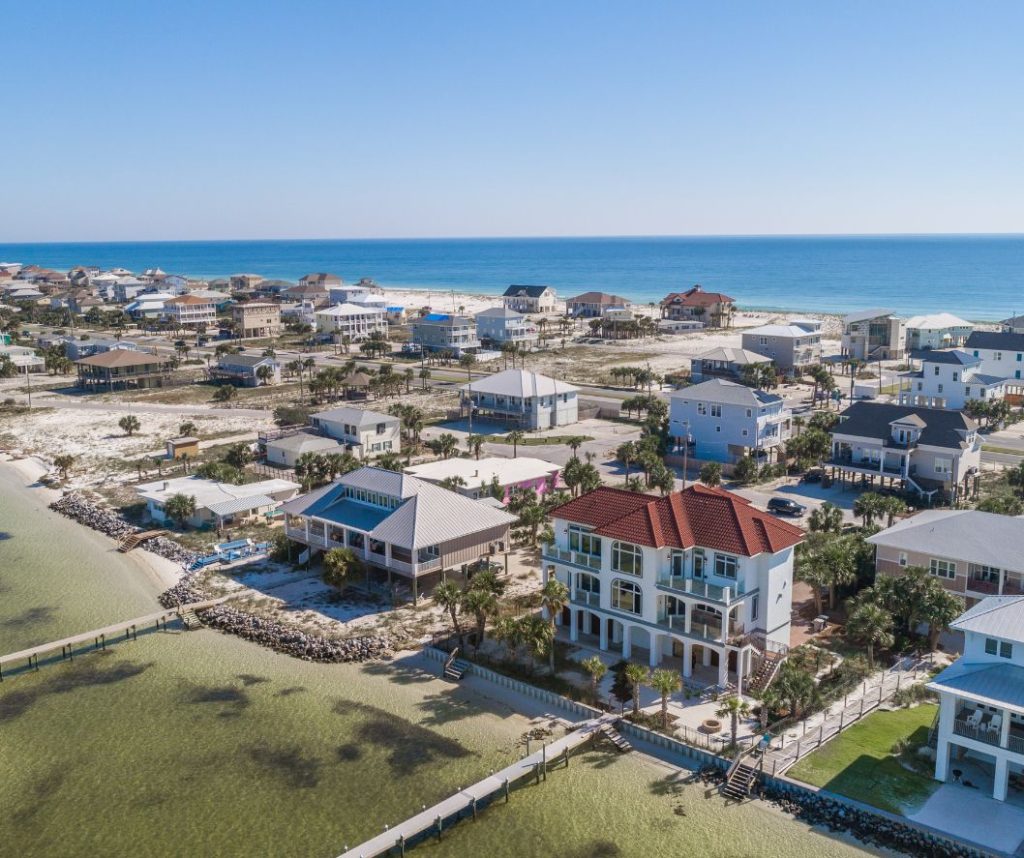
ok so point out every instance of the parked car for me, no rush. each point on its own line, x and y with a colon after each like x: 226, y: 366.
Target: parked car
x: 785, y: 506
x: 813, y: 475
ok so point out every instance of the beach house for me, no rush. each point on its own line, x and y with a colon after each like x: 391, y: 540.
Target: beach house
x: 288, y: 449
x: 500, y: 325
x: 973, y: 554
x: 724, y: 421
x: 364, y: 433
x: 714, y: 309
x: 491, y: 476
x: 529, y: 299
x: 937, y: 331
x: 980, y: 731
x: 1001, y: 354
x: 593, y: 305
x: 217, y: 504
x: 949, y: 379
x: 699, y: 575
x: 438, y: 332
x: 256, y: 319
x: 872, y: 335
x: 724, y: 362
x: 122, y: 369
x: 244, y: 282
x: 354, y: 321
x: 191, y: 311
x: 246, y: 369
x: 398, y: 523
x: 926, y: 450
x: 792, y: 348
x: 321, y: 279
x: 523, y: 399
x: 1013, y: 325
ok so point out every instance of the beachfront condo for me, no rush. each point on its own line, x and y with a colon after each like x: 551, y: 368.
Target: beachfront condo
x: 980, y: 731
x: 699, y: 579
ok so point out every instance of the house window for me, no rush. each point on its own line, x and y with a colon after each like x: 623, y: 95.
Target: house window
x: 699, y: 560
x: 582, y: 541
x: 380, y: 428
x: 940, y: 388
x: 956, y: 376
x: 627, y: 558
x: 716, y: 410
x: 936, y: 370
x: 903, y: 558
x: 1004, y: 649
x: 943, y: 466
x: 588, y: 583
x: 942, y: 568
x: 725, y: 566
x: 626, y: 597
x: 744, y: 433
x: 702, y: 409
x: 754, y: 607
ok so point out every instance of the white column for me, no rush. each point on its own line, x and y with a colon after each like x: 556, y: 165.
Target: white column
x: 574, y: 625
x: 656, y: 644
x: 723, y: 666
x: 706, y: 655
x: 687, y: 617
x: 617, y: 629
x: 999, y: 792
x: 603, y: 637
x: 942, y: 760
x: 687, y: 659
x: 627, y: 641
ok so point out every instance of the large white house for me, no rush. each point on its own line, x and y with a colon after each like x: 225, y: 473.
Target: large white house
x: 364, y: 433
x: 491, y: 476
x: 1001, y: 353
x: 980, y: 735
x: 530, y: 299
x: 698, y: 574
x: 354, y: 321
x: 217, y: 504
x: 502, y: 325
x: 525, y: 399
x: 724, y: 421
x: 937, y: 331
x: 950, y: 379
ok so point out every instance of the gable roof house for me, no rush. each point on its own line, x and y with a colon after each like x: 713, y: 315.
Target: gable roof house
x: 925, y: 450
x: 593, y: 305
x: 398, y: 523
x: 937, y: 331
x: 217, y: 504
x: 792, y: 348
x: 698, y: 573
x: 724, y: 362
x: 364, y: 433
x: 949, y: 379
x: 501, y: 325
x: 872, y: 335
x: 245, y: 369
x: 1001, y: 354
x: 529, y: 299
x: 713, y: 308
x: 442, y: 332
x: 320, y: 279
x: 122, y: 368
x: 523, y: 399
x: 191, y: 310
x: 354, y: 321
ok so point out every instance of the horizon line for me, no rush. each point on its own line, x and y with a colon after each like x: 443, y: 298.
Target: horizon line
x: 570, y: 237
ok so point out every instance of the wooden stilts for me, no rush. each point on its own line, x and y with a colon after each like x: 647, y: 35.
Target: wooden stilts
x: 438, y: 824
x: 506, y: 790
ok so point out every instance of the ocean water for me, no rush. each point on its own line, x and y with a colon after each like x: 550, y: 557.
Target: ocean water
x: 979, y: 277
x: 203, y: 744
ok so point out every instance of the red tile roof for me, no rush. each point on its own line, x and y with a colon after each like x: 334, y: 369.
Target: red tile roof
x: 697, y: 297
x: 697, y: 516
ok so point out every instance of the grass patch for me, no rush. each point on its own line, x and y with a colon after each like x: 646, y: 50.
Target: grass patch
x: 550, y: 440
x: 860, y: 764
x: 1007, y: 451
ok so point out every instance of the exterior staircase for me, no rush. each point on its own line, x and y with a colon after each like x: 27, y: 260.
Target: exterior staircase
x: 739, y: 782
x: 766, y: 672
x: 615, y: 737
x: 454, y: 667
x: 191, y: 620
x: 134, y: 540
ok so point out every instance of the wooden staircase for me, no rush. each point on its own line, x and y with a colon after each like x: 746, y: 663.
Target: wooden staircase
x: 615, y: 737
x: 134, y: 540
x: 765, y: 673
x: 739, y: 782
x: 454, y: 667
x: 191, y: 620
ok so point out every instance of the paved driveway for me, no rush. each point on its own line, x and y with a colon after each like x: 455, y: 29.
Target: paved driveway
x: 972, y: 814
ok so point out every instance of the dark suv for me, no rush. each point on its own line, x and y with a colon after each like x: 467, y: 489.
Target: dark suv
x: 785, y: 506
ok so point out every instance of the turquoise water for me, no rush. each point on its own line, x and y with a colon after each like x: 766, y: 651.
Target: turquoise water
x: 202, y: 744
x: 979, y: 277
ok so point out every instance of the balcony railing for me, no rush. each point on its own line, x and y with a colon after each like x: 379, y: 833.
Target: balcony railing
x: 1016, y: 744
x: 561, y: 555
x: 961, y: 727
x: 585, y: 597
x: 700, y: 588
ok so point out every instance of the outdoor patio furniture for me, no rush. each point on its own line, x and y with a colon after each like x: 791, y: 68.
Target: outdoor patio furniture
x: 996, y: 723
x: 974, y: 719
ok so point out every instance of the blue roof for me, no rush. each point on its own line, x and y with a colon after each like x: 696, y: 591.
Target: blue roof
x: 436, y: 317
x: 349, y: 513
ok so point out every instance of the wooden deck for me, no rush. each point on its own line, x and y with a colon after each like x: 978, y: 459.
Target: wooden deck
x: 136, y: 539
x: 433, y: 819
x: 107, y: 633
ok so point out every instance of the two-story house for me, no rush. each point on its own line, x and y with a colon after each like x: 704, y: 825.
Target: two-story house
x: 872, y: 335
x: 724, y: 362
x: 247, y: 370
x: 928, y: 450
x: 257, y: 319
x: 526, y: 400
x: 949, y: 379
x: 405, y: 526
x: 1001, y: 354
x: 438, y: 332
x: 724, y: 421
x: 980, y: 734
x: 354, y: 321
x: 191, y: 311
x: 529, y: 299
x: 712, y: 308
x: 699, y: 574
x: 501, y: 325
x: 593, y: 305
x: 973, y: 554
x: 792, y: 348
x: 364, y: 433
x: 937, y: 331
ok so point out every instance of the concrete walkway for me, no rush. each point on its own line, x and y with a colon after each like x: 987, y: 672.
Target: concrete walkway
x: 974, y: 815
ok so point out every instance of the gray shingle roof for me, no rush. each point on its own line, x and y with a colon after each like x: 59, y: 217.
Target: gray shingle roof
x: 950, y: 356
x: 996, y: 340
x: 355, y: 416
x: 740, y: 357
x: 529, y: 291
x: 728, y: 392
x: 499, y: 313
x: 942, y: 428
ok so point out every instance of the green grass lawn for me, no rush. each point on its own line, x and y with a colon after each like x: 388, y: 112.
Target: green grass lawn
x: 859, y: 763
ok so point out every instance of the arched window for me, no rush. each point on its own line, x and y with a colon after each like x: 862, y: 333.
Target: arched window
x: 588, y: 583
x: 627, y: 558
x: 626, y: 597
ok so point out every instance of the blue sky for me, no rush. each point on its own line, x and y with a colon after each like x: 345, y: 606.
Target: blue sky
x: 190, y: 120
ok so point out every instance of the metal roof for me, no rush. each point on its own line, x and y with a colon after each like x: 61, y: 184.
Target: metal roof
x: 519, y: 383
x: 995, y: 684
x: 729, y: 392
x: 355, y: 416
x: 240, y: 504
x: 999, y: 616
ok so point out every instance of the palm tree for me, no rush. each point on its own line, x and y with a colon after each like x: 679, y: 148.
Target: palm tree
x: 665, y: 682
x: 574, y: 442
x: 638, y: 675
x: 180, y: 507
x: 539, y: 638
x: 129, y: 423
x: 467, y: 361
x: 225, y: 393
x: 515, y: 438
x: 711, y: 474
x: 389, y: 461
x: 870, y: 624
x: 796, y: 686
x: 868, y: 506
x: 339, y: 563
x: 264, y: 374
x: 445, y: 445
x: 554, y: 596
x: 424, y: 376
x: 449, y: 597
x: 733, y: 708
x: 626, y: 453
x: 828, y: 518
x: 475, y: 443
x: 482, y: 603
x: 597, y: 669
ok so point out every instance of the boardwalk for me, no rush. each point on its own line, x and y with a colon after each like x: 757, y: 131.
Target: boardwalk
x: 105, y: 634
x: 433, y: 818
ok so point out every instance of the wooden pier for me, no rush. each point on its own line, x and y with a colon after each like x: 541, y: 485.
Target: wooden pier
x: 136, y: 539
x: 466, y: 802
x: 99, y: 638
